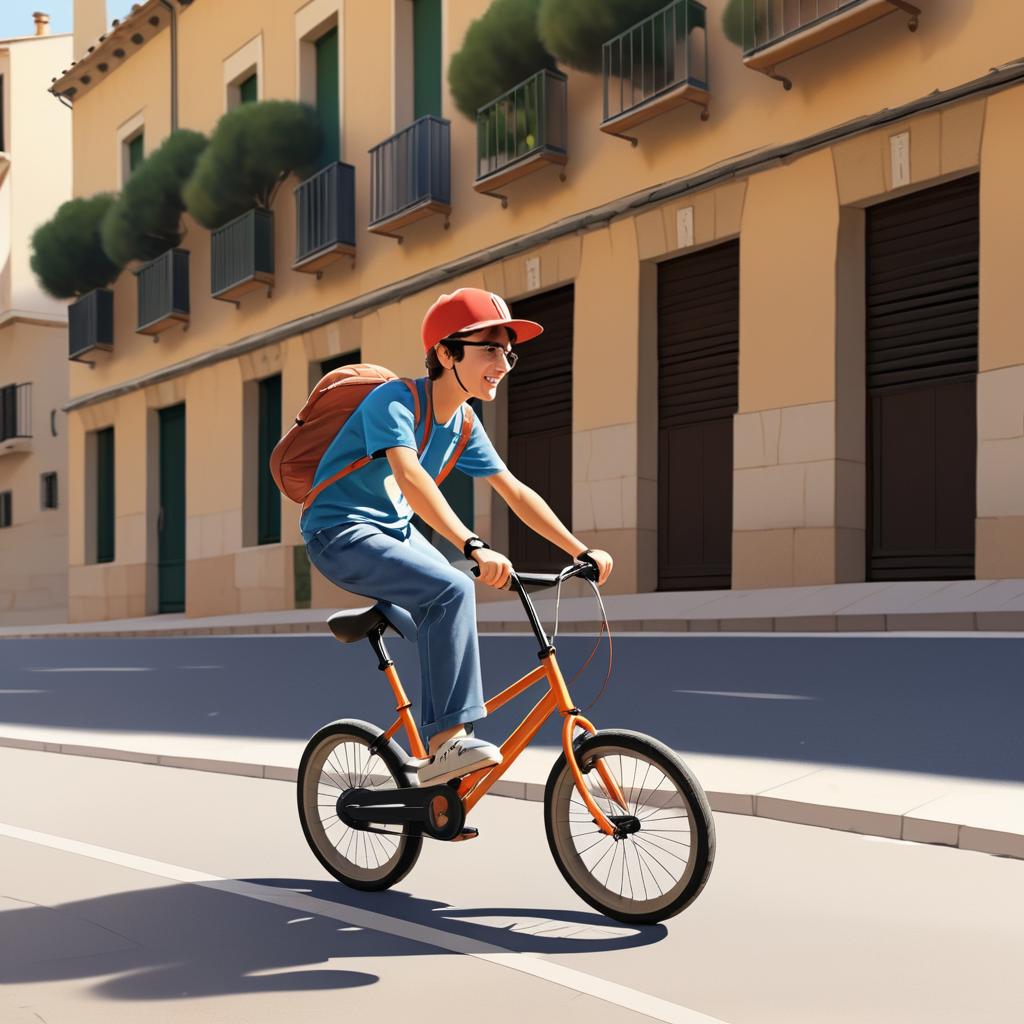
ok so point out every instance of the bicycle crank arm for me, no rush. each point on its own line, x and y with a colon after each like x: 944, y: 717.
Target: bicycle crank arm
x: 437, y: 808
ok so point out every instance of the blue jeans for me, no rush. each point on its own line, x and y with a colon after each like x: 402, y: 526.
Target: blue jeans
x: 426, y: 599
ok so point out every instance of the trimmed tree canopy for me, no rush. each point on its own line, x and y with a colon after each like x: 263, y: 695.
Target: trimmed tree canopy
x: 253, y: 149
x: 67, y: 255
x: 743, y: 23
x: 146, y: 219
x: 500, y: 50
x: 575, y: 30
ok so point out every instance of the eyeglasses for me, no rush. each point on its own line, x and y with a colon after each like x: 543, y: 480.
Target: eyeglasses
x: 491, y: 350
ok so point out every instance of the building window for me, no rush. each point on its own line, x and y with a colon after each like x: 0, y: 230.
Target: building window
x: 134, y: 154
x: 248, y: 89
x: 5, y: 508
x: 105, y: 495
x: 348, y: 359
x: 327, y: 108
x: 426, y: 44
x: 268, y: 530
x: 48, y: 483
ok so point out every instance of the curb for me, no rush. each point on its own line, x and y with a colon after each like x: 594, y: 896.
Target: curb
x: 841, y: 819
x: 958, y: 622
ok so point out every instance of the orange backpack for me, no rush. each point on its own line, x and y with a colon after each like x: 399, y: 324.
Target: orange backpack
x: 295, y: 457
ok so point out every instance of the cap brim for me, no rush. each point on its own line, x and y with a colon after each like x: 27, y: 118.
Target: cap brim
x: 525, y: 329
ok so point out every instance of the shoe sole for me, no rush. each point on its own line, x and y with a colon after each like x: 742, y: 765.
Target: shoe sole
x: 457, y: 773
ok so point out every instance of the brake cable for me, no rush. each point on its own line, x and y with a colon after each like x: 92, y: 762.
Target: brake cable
x: 604, y: 629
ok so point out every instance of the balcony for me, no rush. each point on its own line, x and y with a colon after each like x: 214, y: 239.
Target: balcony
x: 410, y: 176
x: 776, y: 30
x: 163, y: 292
x: 658, y: 64
x: 15, y: 418
x: 325, y: 218
x: 91, y: 325
x: 242, y: 256
x: 521, y: 131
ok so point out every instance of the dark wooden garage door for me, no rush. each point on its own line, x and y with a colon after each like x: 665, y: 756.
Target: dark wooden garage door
x: 922, y: 365
x: 540, y: 424
x: 698, y: 369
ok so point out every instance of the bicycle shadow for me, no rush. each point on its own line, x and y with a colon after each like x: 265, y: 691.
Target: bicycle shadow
x: 564, y: 931
x: 204, y: 940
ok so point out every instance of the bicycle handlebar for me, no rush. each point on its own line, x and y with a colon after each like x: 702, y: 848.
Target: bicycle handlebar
x: 546, y: 579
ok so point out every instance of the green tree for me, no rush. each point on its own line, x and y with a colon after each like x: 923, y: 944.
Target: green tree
x: 146, y: 219
x: 67, y: 253
x: 744, y: 22
x: 500, y: 50
x: 252, y: 150
x: 576, y: 30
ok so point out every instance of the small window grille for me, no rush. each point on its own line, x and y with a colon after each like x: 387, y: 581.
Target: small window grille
x: 5, y: 508
x: 49, y: 490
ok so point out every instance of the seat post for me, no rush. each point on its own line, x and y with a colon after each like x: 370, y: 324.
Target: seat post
x: 376, y: 638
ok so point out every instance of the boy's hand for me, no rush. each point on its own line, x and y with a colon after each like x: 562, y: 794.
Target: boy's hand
x: 494, y: 567
x: 604, y: 564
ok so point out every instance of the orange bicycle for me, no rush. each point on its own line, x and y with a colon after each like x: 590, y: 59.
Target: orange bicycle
x: 627, y: 823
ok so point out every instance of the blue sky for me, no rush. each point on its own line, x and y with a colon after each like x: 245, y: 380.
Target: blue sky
x: 16, y: 15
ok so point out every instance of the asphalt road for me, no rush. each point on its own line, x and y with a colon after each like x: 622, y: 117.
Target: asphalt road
x: 941, y: 705
x: 196, y: 899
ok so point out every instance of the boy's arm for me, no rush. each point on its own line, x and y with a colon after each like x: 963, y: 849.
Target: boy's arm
x: 425, y: 497
x: 533, y: 510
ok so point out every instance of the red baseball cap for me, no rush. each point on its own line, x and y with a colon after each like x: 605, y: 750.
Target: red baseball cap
x: 472, y: 309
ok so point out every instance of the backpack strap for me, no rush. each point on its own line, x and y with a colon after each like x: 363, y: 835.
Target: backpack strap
x: 334, y: 478
x: 467, y: 430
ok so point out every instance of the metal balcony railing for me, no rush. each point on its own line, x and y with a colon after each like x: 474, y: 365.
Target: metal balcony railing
x: 767, y: 22
x: 410, y: 174
x: 664, y: 55
x: 529, y: 123
x: 15, y: 412
x: 242, y: 255
x: 325, y: 217
x: 91, y: 324
x: 163, y: 292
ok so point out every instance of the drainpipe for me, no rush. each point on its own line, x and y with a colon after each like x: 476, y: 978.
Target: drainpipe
x: 174, y: 63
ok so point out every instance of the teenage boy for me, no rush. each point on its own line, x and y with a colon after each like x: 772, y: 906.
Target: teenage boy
x: 359, y: 535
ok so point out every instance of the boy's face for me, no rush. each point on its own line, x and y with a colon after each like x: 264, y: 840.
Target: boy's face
x: 484, y: 366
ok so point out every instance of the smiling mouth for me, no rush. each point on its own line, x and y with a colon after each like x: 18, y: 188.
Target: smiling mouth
x: 493, y: 381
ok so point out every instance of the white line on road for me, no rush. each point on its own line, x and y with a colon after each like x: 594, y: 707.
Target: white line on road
x: 94, y: 668
x: 747, y: 696
x: 526, y: 963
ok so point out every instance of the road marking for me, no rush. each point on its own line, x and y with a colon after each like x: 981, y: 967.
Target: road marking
x: 94, y: 668
x: 747, y: 696
x: 23, y: 691
x: 532, y: 964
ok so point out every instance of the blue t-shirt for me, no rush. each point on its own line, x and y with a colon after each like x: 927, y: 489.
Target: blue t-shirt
x: 384, y: 419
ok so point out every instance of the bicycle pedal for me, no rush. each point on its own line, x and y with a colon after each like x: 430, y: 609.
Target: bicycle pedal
x: 468, y: 832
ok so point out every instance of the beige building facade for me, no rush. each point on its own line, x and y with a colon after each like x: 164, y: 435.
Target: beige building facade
x: 35, y: 177
x: 807, y: 208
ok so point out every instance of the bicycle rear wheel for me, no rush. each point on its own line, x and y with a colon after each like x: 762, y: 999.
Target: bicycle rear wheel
x: 338, y: 758
x: 661, y: 867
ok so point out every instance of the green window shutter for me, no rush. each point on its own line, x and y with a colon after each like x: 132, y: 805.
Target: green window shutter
x: 269, y: 498
x: 247, y: 89
x: 426, y: 34
x: 135, y: 152
x: 105, y: 495
x: 327, y: 97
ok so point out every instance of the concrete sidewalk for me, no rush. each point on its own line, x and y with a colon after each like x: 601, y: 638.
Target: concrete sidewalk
x: 960, y: 605
x: 978, y: 815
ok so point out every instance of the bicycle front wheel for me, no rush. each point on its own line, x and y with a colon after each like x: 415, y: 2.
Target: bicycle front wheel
x: 339, y: 758
x: 663, y: 862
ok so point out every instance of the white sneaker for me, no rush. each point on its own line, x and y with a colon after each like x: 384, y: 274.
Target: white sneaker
x: 457, y: 757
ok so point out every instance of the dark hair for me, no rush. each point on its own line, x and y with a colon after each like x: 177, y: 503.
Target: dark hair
x: 434, y: 367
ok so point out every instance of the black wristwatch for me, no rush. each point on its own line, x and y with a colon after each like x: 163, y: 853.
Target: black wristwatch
x: 586, y: 556
x: 473, y: 544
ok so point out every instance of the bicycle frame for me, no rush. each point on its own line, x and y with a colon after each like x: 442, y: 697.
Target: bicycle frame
x: 473, y: 787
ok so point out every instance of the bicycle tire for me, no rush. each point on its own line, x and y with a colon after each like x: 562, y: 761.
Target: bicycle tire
x: 315, y: 796
x: 568, y: 825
